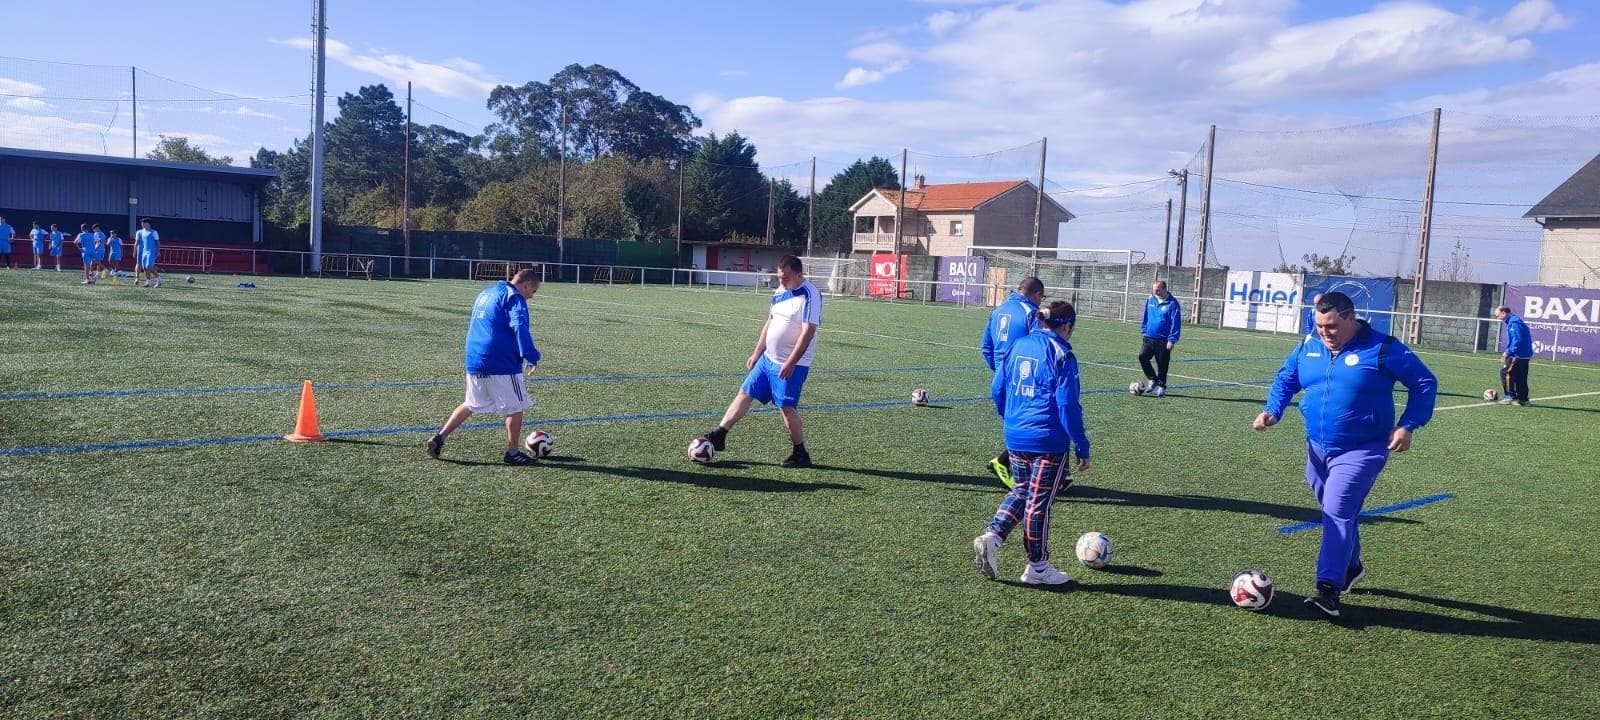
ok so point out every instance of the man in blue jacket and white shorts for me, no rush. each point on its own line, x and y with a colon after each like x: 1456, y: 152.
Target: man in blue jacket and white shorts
x: 499, y: 352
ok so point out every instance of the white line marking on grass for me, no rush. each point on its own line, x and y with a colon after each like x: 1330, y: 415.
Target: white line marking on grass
x: 1538, y: 399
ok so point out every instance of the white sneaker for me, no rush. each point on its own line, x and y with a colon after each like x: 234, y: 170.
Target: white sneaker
x: 1048, y: 576
x: 986, y: 554
x: 1160, y: 391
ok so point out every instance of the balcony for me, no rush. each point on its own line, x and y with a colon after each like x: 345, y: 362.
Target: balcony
x: 884, y: 242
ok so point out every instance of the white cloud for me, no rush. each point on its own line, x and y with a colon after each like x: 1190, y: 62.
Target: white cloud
x: 1534, y: 16
x: 943, y: 21
x: 9, y: 86
x: 28, y: 103
x: 454, y: 77
x: 858, y: 76
x: 734, y: 73
x: 247, y: 111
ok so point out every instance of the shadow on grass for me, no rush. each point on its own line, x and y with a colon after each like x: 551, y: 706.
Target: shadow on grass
x: 708, y: 477
x: 1295, y: 513
x: 1542, y: 406
x: 1501, y: 623
x: 1130, y: 571
x: 942, y: 478
x: 1247, y: 401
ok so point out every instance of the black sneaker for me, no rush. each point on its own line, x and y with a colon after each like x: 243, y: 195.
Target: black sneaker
x: 517, y: 457
x: 435, y: 446
x: 718, y: 438
x: 1352, y: 577
x: 797, y: 459
x: 1326, y: 601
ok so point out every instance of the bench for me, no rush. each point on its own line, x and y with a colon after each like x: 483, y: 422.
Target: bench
x: 612, y: 275
x: 500, y: 269
x: 347, y: 265
x: 193, y: 258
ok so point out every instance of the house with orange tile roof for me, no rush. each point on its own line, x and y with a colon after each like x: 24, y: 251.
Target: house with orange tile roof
x: 950, y: 218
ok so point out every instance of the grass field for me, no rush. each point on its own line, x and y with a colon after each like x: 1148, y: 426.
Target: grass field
x: 204, y: 568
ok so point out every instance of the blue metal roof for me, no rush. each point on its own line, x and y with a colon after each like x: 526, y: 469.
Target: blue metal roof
x: 241, y: 173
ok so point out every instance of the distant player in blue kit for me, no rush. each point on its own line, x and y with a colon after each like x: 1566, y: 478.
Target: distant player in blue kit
x: 113, y: 254
x: 1163, y: 323
x: 99, y: 250
x: 56, y: 241
x: 146, y: 249
x: 88, y: 251
x: 1348, y: 372
x: 1036, y: 390
x: 1009, y: 322
x: 499, y: 351
x: 781, y: 360
x: 40, y: 238
x: 1514, y: 359
x: 6, y: 233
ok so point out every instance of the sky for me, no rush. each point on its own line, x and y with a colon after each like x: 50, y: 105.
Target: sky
x: 1322, y: 108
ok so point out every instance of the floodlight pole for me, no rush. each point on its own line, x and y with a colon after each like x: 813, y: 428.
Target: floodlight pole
x: 899, y: 223
x: 1420, y: 281
x: 1166, y: 245
x: 319, y: 53
x: 561, y: 196
x: 135, y: 88
x: 1183, y: 210
x: 1038, y: 206
x: 405, y: 220
x: 680, y: 212
x: 811, y: 206
x: 1205, y: 222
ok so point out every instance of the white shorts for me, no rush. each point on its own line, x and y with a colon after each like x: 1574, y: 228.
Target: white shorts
x: 499, y: 394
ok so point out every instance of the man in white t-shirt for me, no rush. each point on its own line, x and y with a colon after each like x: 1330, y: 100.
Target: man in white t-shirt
x: 781, y: 360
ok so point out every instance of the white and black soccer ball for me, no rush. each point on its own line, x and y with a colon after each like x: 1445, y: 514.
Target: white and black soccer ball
x: 919, y: 397
x: 1135, y: 388
x: 1491, y: 395
x: 1095, y: 550
x: 1251, y: 590
x: 539, y: 444
x: 188, y: 278
x: 701, y: 451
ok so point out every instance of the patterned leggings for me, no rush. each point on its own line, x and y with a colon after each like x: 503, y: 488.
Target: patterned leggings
x: 1038, y: 476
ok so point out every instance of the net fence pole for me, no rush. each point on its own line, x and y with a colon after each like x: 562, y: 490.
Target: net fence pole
x: 1205, y: 220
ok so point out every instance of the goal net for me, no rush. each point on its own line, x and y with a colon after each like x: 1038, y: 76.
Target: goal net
x: 1098, y: 282
x: 836, y: 275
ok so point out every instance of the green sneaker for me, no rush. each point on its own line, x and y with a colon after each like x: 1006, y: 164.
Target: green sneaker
x: 1001, y: 471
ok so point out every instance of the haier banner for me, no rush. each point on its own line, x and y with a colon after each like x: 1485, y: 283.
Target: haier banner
x: 1262, y: 301
x: 1373, y: 298
x: 961, y: 279
x: 885, y: 272
x: 1564, y: 322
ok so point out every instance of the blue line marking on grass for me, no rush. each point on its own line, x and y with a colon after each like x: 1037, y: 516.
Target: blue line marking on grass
x: 535, y: 380
x: 591, y: 420
x: 1385, y: 510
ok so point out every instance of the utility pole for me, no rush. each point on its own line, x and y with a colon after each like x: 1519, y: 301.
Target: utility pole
x: 1414, y: 335
x: 899, y: 223
x: 1038, y: 207
x: 680, y: 211
x: 561, y: 196
x: 1166, y: 245
x: 1183, y: 209
x: 135, y: 88
x: 772, y: 185
x: 405, y: 220
x: 319, y: 59
x: 1205, y: 221
x: 811, y: 206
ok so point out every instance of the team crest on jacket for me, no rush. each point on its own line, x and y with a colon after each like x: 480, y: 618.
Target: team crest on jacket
x: 1352, y: 359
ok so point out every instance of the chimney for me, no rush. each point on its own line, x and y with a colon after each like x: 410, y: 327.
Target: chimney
x: 917, y: 182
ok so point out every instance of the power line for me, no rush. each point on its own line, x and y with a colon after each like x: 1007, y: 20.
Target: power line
x: 1373, y: 197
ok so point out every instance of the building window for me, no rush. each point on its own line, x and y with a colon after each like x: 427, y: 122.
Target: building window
x: 956, y: 228
x: 864, y: 224
x: 927, y: 227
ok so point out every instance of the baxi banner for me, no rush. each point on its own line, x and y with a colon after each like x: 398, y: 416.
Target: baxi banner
x: 1565, y: 322
x: 885, y: 273
x: 1373, y: 297
x: 1263, y: 301
x: 961, y: 279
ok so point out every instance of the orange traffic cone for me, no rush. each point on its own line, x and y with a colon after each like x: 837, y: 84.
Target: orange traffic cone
x: 305, y: 427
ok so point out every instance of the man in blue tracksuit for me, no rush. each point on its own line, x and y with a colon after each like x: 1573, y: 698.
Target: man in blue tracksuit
x: 1163, y: 323
x: 1514, y: 358
x: 499, y: 351
x: 1036, y: 391
x: 1348, y: 372
x: 1010, y: 321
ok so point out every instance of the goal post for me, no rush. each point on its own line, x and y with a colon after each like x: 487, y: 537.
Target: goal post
x: 837, y: 275
x: 1099, y: 282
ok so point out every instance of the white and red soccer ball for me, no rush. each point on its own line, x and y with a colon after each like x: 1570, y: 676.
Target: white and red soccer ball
x: 1251, y: 590
x: 701, y: 451
x: 1094, y: 550
x: 1135, y: 388
x: 1491, y: 395
x: 539, y: 444
x: 919, y: 397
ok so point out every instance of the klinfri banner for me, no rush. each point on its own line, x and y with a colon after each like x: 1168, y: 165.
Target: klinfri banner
x: 1564, y: 322
x: 1263, y: 301
x: 961, y: 279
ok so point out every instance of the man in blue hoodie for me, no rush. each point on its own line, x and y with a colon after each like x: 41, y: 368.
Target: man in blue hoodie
x: 1163, y: 323
x: 1348, y: 372
x: 1514, y: 359
x: 1010, y: 321
x: 1036, y: 391
x: 499, y: 351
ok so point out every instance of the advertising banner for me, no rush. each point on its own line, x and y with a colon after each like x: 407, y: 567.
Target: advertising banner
x: 886, y: 276
x: 961, y: 279
x: 1263, y: 301
x: 1564, y: 322
x: 1373, y: 297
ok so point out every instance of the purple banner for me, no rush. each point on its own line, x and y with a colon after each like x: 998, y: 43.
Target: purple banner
x: 1564, y: 322
x: 961, y: 279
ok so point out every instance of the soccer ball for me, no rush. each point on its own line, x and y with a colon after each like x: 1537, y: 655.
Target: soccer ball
x: 701, y: 451
x: 919, y: 397
x: 1491, y: 395
x: 188, y: 278
x: 1135, y: 388
x: 539, y: 444
x: 1252, y: 590
x: 1094, y: 550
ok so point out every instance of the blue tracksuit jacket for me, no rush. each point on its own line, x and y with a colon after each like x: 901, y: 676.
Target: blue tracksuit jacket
x: 1037, y: 392
x: 1519, y: 342
x: 1163, y: 319
x: 498, y: 339
x: 1349, y: 400
x: 1011, y: 321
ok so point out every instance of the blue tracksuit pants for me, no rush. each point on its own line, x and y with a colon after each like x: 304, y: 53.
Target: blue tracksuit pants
x: 1341, y: 480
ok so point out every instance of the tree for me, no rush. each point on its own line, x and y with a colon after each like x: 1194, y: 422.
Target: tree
x: 1458, y: 268
x: 835, y: 225
x: 1329, y: 265
x: 724, y: 192
x: 365, y: 148
x: 177, y: 148
x: 284, y: 199
x: 605, y: 113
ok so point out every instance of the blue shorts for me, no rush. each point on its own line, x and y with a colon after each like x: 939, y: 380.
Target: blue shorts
x: 147, y: 260
x: 765, y: 386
